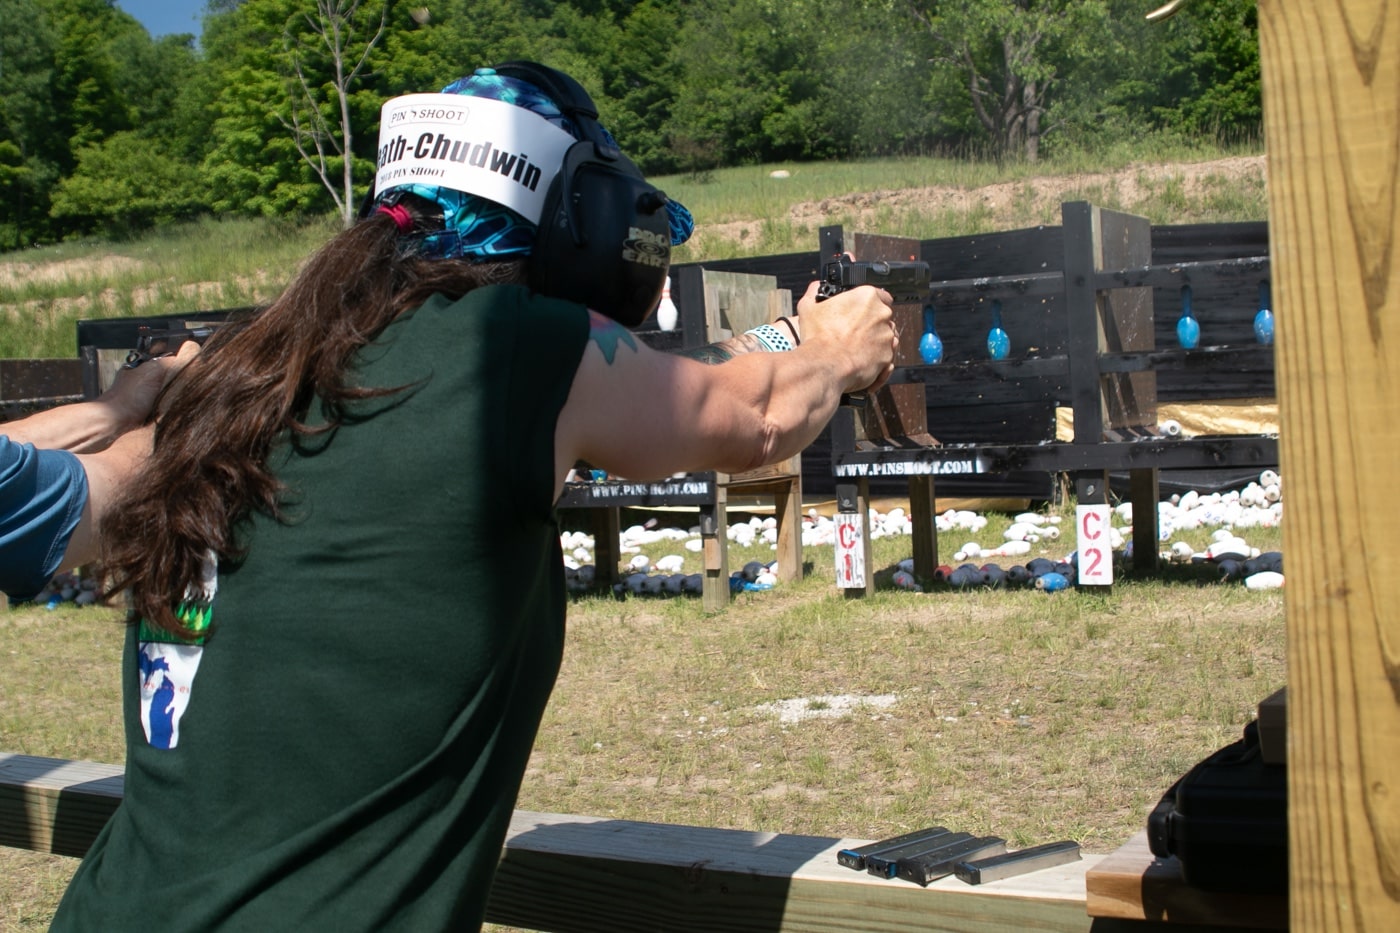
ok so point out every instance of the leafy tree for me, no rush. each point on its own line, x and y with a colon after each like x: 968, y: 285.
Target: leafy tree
x: 458, y: 36
x: 642, y: 81
x: 30, y: 145
x: 133, y: 179
x: 88, y: 101
x: 750, y: 87
x: 1195, y: 75
x: 1010, y: 56
x: 1211, y: 79
x: 873, y: 70
x: 125, y: 184
x: 150, y: 77
x: 251, y: 164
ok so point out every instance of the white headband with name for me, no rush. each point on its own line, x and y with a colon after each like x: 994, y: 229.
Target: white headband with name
x: 485, y: 147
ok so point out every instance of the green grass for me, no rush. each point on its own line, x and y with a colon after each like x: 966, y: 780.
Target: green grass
x: 1027, y: 715
x: 193, y: 267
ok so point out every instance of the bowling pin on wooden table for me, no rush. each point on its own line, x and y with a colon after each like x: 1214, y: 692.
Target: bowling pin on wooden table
x: 930, y: 346
x: 667, y: 314
x: 1188, y: 329
x: 998, y: 342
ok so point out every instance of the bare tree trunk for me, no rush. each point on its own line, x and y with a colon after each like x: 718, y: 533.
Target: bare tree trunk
x: 1032, y: 110
x: 316, y: 140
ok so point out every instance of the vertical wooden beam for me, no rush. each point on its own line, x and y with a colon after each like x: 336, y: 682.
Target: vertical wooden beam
x: 605, y: 524
x: 787, y: 511
x: 922, y: 516
x: 1126, y: 319
x: 1081, y: 232
x: 1144, y: 492
x: 1331, y: 78
x: 714, y: 543
x: 689, y: 292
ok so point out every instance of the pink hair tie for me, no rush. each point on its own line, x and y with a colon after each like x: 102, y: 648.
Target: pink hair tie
x: 401, y: 216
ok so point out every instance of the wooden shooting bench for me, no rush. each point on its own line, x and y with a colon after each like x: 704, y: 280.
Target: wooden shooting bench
x: 1084, y: 335
x: 713, y: 306
x: 579, y: 874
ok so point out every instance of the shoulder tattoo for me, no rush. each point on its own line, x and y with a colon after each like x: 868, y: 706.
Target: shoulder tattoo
x: 608, y: 334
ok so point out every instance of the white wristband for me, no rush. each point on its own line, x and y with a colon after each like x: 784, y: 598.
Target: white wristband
x: 772, y: 339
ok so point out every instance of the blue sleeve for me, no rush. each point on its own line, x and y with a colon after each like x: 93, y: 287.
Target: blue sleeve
x: 42, y: 494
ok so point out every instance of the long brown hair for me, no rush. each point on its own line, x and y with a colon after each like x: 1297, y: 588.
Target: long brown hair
x: 252, y: 385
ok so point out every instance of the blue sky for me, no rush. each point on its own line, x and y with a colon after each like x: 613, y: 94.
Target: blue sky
x: 163, y: 17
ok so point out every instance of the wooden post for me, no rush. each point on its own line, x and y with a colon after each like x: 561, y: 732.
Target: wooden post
x: 1331, y: 77
x: 714, y: 528
x: 605, y: 525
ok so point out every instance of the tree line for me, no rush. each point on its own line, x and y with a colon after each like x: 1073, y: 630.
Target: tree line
x: 274, y: 110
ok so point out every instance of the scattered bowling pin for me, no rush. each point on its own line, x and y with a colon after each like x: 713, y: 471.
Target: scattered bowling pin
x: 998, y: 342
x: 667, y: 314
x: 671, y: 563
x: 993, y: 576
x: 906, y: 581
x: 930, y: 346
x: 1051, y: 582
x: 1264, y: 580
x: 965, y: 576
x: 1009, y: 549
x: 1188, y: 329
x: 1264, y: 318
x: 1230, y: 569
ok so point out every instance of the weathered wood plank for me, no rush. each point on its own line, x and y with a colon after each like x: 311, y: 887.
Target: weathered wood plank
x: 619, y: 876
x: 579, y: 874
x: 1331, y: 77
x: 53, y: 805
x: 1133, y: 884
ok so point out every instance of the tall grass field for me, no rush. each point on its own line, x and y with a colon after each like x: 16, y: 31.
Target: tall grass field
x: 1030, y: 715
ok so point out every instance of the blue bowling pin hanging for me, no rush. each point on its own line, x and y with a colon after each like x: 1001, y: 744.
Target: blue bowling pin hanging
x: 930, y: 347
x: 1188, y: 329
x: 1264, y: 319
x: 998, y: 343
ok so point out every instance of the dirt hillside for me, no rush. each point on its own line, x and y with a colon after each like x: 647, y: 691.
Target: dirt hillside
x: 1010, y: 203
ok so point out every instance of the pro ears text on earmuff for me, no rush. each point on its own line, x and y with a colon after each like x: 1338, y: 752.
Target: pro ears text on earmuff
x: 604, y: 235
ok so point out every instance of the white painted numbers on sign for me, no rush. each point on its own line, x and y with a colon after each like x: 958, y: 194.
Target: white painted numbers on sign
x: 1095, y: 545
x: 850, y: 551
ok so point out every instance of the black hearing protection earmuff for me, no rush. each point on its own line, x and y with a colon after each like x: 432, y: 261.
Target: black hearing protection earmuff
x: 604, y: 235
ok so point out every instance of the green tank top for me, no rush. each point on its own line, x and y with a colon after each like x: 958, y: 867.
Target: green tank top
x: 344, y: 751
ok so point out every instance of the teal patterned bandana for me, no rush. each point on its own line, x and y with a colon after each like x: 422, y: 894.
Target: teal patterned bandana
x: 477, y: 228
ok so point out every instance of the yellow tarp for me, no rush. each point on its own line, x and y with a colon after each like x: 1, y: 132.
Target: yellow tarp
x: 1234, y: 416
